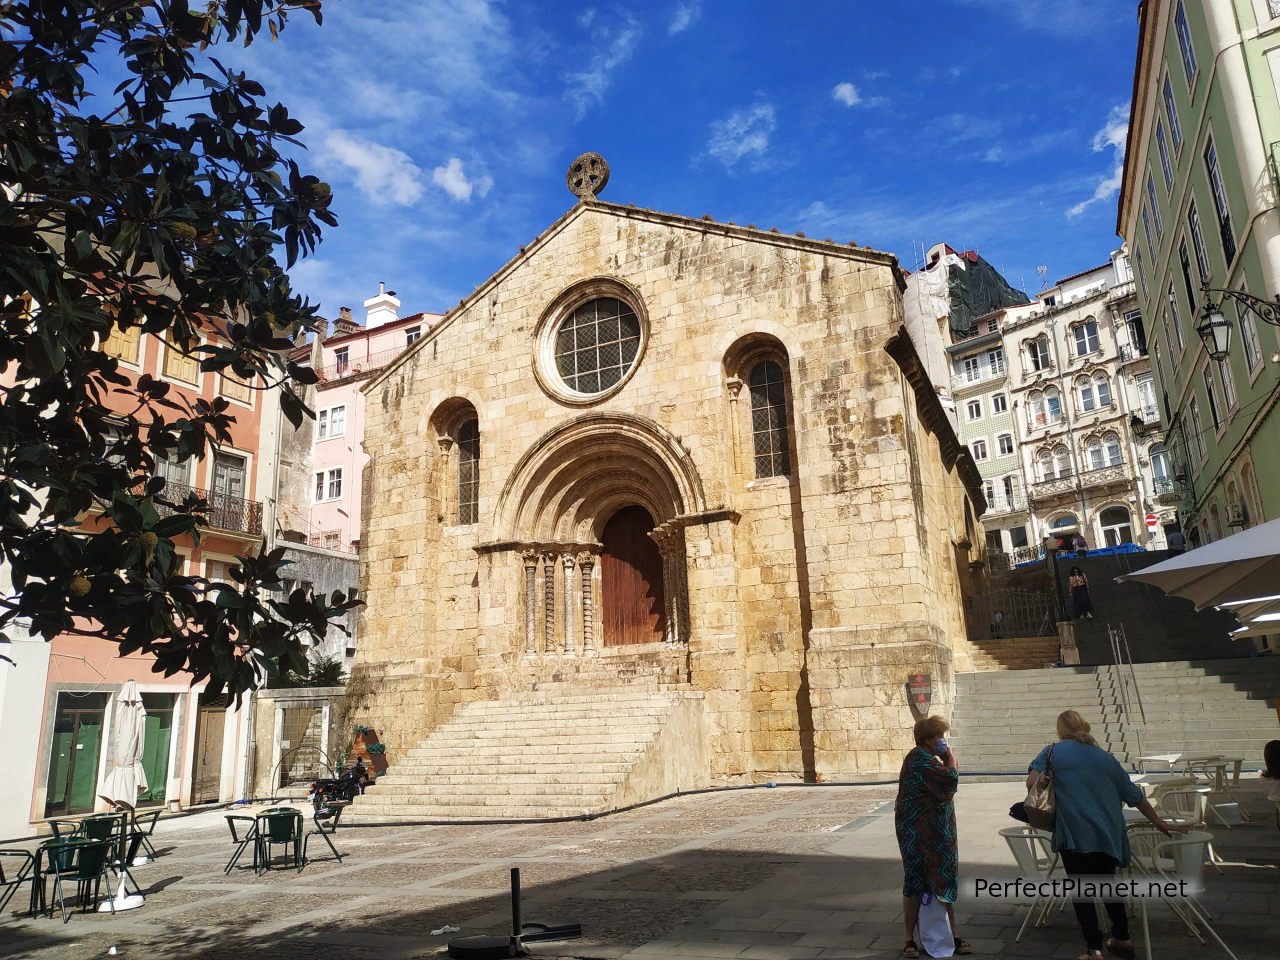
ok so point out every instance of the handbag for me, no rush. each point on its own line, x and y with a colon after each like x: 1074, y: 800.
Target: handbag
x: 933, y: 927
x: 1041, y: 804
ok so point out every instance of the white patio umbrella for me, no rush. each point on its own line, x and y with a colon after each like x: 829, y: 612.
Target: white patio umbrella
x: 125, y: 777
x: 1242, y: 567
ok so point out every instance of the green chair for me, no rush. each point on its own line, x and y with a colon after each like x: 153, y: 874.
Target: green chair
x: 242, y: 837
x: 17, y: 875
x: 102, y: 826
x: 63, y: 829
x: 145, y: 823
x: 86, y: 863
x: 280, y: 826
x: 325, y: 829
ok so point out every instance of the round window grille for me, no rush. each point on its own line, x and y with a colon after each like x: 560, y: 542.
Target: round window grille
x: 596, y: 345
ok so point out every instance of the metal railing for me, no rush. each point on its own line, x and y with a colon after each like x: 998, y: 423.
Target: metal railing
x: 964, y: 378
x: 351, y: 366
x: 1020, y: 555
x: 1129, y: 352
x: 223, y: 511
x: 1000, y: 503
x: 1162, y: 485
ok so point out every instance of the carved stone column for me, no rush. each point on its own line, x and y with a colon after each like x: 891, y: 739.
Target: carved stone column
x: 662, y: 537
x: 568, y: 603
x: 734, y: 386
x: 446, y: 444
x: 549, y: 602
x: 587, y: 563
x: 530, y: 602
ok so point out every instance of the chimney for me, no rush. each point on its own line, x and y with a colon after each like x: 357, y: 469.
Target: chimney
x: 381, y: 309
x: 322, y: 329
x: 344, y: 324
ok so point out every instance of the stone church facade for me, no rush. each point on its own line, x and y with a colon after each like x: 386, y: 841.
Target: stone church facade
x: 660, y: 451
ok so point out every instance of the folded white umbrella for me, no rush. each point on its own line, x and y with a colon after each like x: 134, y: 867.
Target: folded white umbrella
x: 125, y: 777
x: 1242, y: 567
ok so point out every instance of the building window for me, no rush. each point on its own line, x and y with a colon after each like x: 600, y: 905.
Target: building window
x: 597, y: 345
x: 972, y: 369
x: 1185, y: 261
x: 1154, y: 205
x: 1184, y: 43
x: 331, y: 423
x: 1160, y: 468
x: 1111, y: 442
x: 1171, y: 114
x: 1116, y: 526
x: 1004, y: 443
x: 1248, y: 335
x: 341, y: 360
x: 236, y: 390
x: 331, y: 539
x: 1228, y: 383
x: 1093, y: 451
x: 1175, y: 315
x: 1140, y: 272
x: 469, y: 472
x: 1220, y: 205
x: 1038, y: 353
x: 179, y: 365
x: 123, y: 344
x: 1055, y: 463
x: 973, y: 409
x: 1195, y: 442
x: 769, y: 420
x: 1044, y: 409
x: 1146, y: 398
x: 999, y: 403
x: 1086, y: 335
x: 328, y: 485
x: 174, y: 472
x: 1197, y: 241
x: 979, y: 449
x: 1094, y: 393
x: 995, y: 361
x: 1146, y: 233
x: 411, y: 335
x: 1166, y: 168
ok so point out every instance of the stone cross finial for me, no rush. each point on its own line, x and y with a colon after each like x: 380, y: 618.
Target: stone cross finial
x: 587, y: 176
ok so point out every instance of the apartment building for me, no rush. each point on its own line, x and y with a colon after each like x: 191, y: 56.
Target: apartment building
x: 1198, y: 207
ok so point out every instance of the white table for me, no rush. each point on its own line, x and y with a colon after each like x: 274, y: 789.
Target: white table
x: 1168, y: 759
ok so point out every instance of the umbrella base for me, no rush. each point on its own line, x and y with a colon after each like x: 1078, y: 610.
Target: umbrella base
x: 122, y: 900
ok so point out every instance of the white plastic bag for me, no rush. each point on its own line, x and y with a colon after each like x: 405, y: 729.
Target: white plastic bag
x: 933, y: 929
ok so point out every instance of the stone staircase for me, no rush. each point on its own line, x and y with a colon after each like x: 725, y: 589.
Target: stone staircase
x: 547, y: 756
x: 1227, y: 707
x: 1014, y: 653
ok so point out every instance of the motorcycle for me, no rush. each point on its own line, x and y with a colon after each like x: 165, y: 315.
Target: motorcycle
x: 345, y: 787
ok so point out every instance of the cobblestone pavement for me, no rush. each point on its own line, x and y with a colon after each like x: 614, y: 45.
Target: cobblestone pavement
x: 766, y: 874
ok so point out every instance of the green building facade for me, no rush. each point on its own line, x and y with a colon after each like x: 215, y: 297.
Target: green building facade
x: 1198, y: 204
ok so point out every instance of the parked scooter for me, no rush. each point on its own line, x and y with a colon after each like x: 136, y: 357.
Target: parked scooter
x: 345, y: 787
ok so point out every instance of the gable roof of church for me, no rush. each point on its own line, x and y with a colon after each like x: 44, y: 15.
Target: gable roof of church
x: 847, y: 251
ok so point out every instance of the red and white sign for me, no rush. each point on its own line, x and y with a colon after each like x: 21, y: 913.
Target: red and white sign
x: 1153, y: 521
x: 920, y: 690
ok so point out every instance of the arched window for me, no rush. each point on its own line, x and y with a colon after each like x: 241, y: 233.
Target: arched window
x: 1086, y: 335
x: 1053, y: 404
x: 1038, y: 353
x: 1111, y: 443
x: 1044, y: 465
x: 1035, y: 409
x: 1084, y: 394
x: 1062, y: 459
x: 1116, y: 526
x: 468, y: 442
x: 1102, y: 387
x: 1094, y: 454
x: 1064, y: 522
x: 769, y: 419
x: 1160, y: 468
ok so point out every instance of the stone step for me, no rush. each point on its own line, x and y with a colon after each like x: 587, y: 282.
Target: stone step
x: 550, y: 742
x: 479, y: 784
x: 457, y: 811
x: 514, y: 765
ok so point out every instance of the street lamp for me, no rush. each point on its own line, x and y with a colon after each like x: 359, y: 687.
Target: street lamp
x: 1215, y: 329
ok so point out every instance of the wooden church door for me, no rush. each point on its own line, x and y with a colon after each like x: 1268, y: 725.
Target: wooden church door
x: 631, y: 580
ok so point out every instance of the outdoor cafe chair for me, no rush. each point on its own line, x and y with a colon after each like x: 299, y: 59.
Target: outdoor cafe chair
x: 1032, y: 851
x: 84, y: 862
x: 18, y: 874
x: 325, y: 828
x: 1190, y: 807
x: 242, y: 838
x: 1179, y: 859
x: 64, y: 828
x: 145, y: 823
x: 279, y: 826
x: 102, y: 826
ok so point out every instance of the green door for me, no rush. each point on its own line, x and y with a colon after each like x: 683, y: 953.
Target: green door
x: 76, y: 747
x: 155, y: 745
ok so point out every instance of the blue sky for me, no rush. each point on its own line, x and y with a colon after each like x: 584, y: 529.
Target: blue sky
x: 446, y: 126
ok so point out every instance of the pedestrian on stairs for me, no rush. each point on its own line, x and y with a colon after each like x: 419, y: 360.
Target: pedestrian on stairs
x: 1081, y: 602
x: 925, y: 821
x: 1090, y: 790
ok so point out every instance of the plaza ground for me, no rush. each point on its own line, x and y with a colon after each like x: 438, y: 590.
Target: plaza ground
x: 788, y: 873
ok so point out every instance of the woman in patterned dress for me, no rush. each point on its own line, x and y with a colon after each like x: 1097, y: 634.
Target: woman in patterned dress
x: 925, y: 819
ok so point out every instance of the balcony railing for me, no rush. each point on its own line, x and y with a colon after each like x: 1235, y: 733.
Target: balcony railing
x: 1103, y: 475
x: 1003, y: 503
x: 1121, y: 290
x: 1043, y: 420
x: 1020, y: 555
x: 1053, y: 486
x: 969, y: 377
x: 224, y: 512
x: 1128, y: 352
x: 1162, y: 485
x: 365, y: 363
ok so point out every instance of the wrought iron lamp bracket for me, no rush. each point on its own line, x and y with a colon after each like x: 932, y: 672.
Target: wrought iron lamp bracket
x: 1266, y: 310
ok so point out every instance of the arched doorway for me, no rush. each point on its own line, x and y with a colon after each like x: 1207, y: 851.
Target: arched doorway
x: 631, y: 579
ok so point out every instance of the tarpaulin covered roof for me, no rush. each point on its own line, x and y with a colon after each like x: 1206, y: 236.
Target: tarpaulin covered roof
x: 977, y: 289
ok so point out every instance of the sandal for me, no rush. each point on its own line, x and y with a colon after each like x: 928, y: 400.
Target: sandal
x: 1121, y: 948
x: 963, y: 947
x: 910, y: 949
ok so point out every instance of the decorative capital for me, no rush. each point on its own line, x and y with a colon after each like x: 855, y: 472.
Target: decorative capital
x: 446, y: 444
x: 735, y: 387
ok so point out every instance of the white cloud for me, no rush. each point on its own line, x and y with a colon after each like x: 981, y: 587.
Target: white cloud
x: 614, y: 47
x: 453, y: 180
x: 1071, y: 17
x: 1112, y: 135
x: 847, y: 94
x: 383, y: 174
x: 685, y: 16
x: 744, y: 133
x: 994, y: 154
